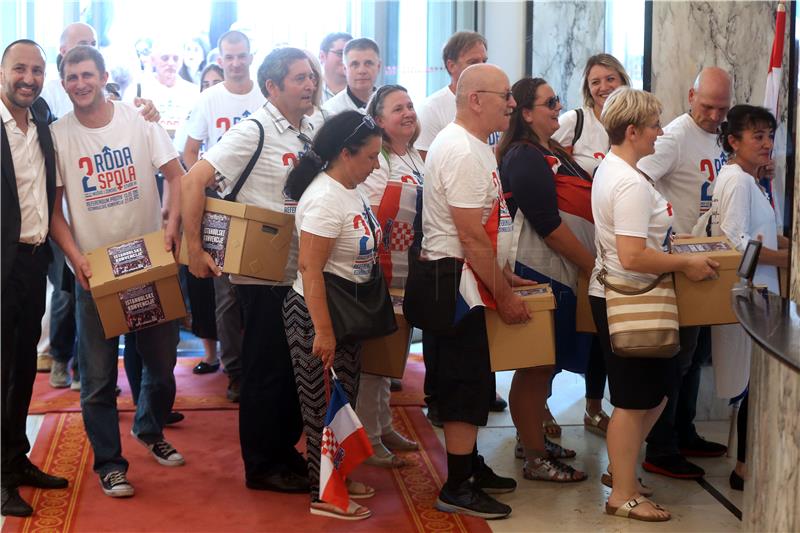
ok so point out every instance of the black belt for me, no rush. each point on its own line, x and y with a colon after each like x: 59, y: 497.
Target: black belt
x: 29, y: 248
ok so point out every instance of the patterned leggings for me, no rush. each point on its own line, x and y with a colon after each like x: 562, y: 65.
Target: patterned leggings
x: 308, y: 375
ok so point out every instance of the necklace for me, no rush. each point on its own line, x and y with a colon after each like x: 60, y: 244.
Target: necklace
x: 411, y: 164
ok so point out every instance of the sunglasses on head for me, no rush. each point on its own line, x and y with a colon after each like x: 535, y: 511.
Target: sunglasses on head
x: 551, y: 103
x: 366, y: 121
x: 505, y: 94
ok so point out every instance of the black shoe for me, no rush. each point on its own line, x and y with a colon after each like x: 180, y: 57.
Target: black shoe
x: 13, y: 504
x: 675, y: 466
x: 471, y: 500
x: 700, y: 447
x: 736, y: 481
x: 396, y: 385
x: 279, y: 482
x: 31, y: 476
x: 204, y: 368
x: 485, y: 479
x: 174, y: 417
x: 234, y: 390
x: 498, y: 404
x: 433, y: 415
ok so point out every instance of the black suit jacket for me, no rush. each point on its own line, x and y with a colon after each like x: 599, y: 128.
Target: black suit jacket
x: 10, y: 217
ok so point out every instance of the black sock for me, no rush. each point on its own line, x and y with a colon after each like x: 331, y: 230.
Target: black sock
x: 477, y: 460
x: 459, y: 469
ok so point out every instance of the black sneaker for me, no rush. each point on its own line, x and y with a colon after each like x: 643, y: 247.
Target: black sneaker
x: 498, y: 405
x: 470, y: 500
x: 116, y: 485
x: 485, y: 479
x: 700, y: 447
x: 163, y: 452
x: 675, y: 466
x: 173, y: 418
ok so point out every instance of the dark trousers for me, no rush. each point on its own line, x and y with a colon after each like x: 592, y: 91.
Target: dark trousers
x: 270, y: 423
x: 596, y: 371
x: 741, y: 430
x: 23, y: 302
x: 676, y: 423
x: 133, y: 366
x: 432, y: 375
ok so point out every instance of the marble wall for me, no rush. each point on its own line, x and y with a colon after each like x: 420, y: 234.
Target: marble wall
x: 736, y: 36
x: 565, y: 35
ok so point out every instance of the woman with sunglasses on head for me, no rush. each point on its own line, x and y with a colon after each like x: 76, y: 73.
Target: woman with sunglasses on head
x: 392, y: 192
x: 549, y: 196
x: 584, y: 137
x: 334, y: 223
x: 633, y: 224
x: 741, y: 211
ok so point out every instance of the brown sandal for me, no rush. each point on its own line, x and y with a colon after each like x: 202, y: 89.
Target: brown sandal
x: 597, y: 423
x: 550, y: 426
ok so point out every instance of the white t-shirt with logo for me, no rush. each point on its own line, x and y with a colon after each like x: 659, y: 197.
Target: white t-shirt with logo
x: 393, y: 189
x: 460, y: 171
x: 625, y: 203
x: 173, y: 103
x: 593, y: 143
x: 329, y: 209
x: 436, y: 112
x: 108, y: 175
x: 265, y: 186
x: 684, y: 167
x: 342, y: 102
x: 218, y: 110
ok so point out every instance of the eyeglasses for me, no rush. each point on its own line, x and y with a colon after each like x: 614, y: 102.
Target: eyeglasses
x: 551, y: 103
x: 505, y: 94
x: 366, y: 121
x: 339, y: 52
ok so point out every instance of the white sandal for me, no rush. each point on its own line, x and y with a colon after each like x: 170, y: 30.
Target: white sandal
x: 354, y: 511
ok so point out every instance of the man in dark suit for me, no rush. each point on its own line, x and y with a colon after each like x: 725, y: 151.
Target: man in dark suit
x: 27, y: 192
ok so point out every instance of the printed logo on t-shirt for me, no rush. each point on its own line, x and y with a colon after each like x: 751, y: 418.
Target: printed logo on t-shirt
x: 289, y: 160
x: 225, y: 123
x: 709, y: 171
x: 362, y: 266
x: 506, y: 222
x: 109, y: 178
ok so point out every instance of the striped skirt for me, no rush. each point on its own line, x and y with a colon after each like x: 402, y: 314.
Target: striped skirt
x: 309, y: 377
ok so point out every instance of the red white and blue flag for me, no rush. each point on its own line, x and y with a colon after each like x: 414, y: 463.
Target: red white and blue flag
x: 344, y: 446
x: 773, y: 89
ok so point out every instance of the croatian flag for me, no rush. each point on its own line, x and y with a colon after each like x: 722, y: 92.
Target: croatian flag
x: 344, y: 446
x: 773, y: 88
x: 472, y: 292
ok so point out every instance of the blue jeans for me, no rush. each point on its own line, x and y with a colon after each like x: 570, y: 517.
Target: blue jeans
x: 158, y: 346
x: 62, y: 311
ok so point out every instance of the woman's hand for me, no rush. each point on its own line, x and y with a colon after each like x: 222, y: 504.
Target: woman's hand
x: 324, y: 348
x: 700, y: 268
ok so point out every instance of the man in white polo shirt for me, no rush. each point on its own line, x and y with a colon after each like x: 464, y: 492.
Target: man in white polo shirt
x: 684, y: 167
x: 270, y: 423
x: 362, y: 64
x: 331, y: 58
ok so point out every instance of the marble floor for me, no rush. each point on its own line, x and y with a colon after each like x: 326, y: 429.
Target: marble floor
x: 542, y: 506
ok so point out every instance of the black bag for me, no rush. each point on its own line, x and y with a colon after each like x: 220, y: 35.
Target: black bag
x: 431, y: 290
x: 360, y: 311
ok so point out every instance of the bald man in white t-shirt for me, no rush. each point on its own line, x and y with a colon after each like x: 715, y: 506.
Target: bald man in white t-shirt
x: 684, y: 166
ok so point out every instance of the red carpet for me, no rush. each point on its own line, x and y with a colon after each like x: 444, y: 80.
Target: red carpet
x: 194, y: 392
x: 413, y: 383
x: 208, y: 495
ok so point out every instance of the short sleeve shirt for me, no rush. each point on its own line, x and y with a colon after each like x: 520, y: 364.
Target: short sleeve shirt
x: 593, y: 143
x: 218, y: 110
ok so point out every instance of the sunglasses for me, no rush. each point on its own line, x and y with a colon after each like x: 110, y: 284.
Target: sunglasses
x: 551, y: 103
x: 367, y: 121
x: 505, y: 94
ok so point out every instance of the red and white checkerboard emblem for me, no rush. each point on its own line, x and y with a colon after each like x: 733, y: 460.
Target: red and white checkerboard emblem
x: 402, y: 236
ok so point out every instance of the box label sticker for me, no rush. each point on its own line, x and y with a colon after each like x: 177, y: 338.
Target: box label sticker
x: 141, y: 306
x: 532, y: 291
x: 215, y: 235
x: 701, y: 247
x: 128, y: 257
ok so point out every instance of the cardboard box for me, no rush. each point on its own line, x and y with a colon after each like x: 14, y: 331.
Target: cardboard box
x: 705, y: 303
x: 135, y: 284
x: 524, y: 345
x: 387, y: 356
x: 584, y: 321
x: 244, y: 239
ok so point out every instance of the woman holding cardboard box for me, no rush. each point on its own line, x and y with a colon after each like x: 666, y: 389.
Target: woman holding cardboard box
x: 741, y: 211
x: 632, y: 223
x: 338, y: 235
x: 392, y: 192
x: 549, y: 196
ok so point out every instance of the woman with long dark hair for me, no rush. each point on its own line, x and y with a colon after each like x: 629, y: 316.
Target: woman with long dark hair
x: 338, y: 234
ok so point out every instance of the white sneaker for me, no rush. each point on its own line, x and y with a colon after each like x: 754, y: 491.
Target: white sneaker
x: 59, y: 375
x: 116, y: 485
x: 163, y: 452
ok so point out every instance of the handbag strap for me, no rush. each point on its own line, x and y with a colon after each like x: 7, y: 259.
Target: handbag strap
x: 603, y: 273
x: 231, y: 196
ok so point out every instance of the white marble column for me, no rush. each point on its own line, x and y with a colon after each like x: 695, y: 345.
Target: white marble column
x: 565, y: 35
